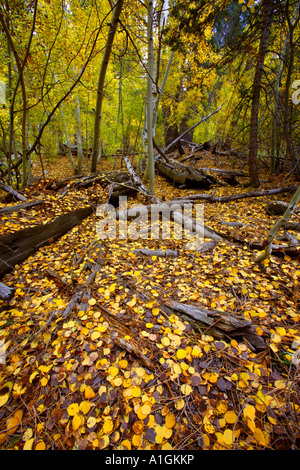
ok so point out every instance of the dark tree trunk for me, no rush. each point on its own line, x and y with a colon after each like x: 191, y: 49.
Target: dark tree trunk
x: 16, y: 247
x: 253, y: 145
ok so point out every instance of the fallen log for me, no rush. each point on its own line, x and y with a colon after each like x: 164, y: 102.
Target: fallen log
x: 19, y: 207
x: 221, y: 325
x: 6, y: 292
x: 184, y: 175
x: 226, y: 172
x: 171, y: 212
x: 210, y: 198
x: 17, y: 246
x: 294, y: 226
x: 103, y: 177
x: 12, y: 191
x: 159, y: 253
x: 190, y: 224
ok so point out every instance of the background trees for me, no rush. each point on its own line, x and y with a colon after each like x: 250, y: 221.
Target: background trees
x: 242, y: 53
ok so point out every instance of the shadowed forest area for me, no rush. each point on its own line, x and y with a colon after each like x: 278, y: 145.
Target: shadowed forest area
x: 149, y: 225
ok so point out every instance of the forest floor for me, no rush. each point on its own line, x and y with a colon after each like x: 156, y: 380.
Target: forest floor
x: 67, y: 384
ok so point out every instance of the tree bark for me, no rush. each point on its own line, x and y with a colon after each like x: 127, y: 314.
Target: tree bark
x: 268, y: 244
x: 267, y: 13
x: 184, y: 175
x: 16, y: 247
x: 100, y: 89
x: 224, y: 199
x: 219, y: 324
x: 150, y: 108
x: 10, y: 190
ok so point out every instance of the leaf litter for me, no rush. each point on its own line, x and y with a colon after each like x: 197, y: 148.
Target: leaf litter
x: 94, y: 362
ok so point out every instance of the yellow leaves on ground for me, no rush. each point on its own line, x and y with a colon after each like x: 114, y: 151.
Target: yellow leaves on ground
x: 13, y: 423
x: 71, y: 386
x: 73, y: 409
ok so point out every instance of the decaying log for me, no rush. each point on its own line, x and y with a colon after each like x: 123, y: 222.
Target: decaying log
x: 276, y: 208
x: 221, y: 325
x: 294, y: 226
x: 11, y: 191
x: 136, y: 181
x: 210, y: 198
x: 20, y: 207
x: 17, y: 246
x: 184, y: 175
x: 190, y: 225
x: 6, y: 292
x: 104, y: 177
x: 160, y: 253
x: 118, y: 332
x: 226, y: 172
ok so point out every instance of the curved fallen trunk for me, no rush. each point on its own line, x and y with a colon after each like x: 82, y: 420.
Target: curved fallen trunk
x: 184, y: 175
x: 220, y: 325
x: 210, y: 198
x: 17, y: 246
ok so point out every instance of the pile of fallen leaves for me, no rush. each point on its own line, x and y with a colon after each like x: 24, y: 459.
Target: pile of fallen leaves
x: 69, y: 379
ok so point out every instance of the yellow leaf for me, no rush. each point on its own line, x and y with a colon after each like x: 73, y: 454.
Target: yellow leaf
x: 85, y: 407
x: 73, y: 409
x: 113, y: 371
x: 186, y: 389
x: 40, y: 446
x: 27, y: 434
x: 92, y: 301
x: 170, y: 420
x: 251, y: 424
x: 28, y: 444
x: 126, y: 443
x: 230, y: 417
x: 44, y: 381
x: 181, y: 353
x: 259, y: 436
x: 91, y: 422
x: 249, y: 412
x: 132, y: 302
x: 209, y: 428
x: 103, y: 442
x: 166, y: 446
x: 108, y: 426
x: 76, y: 422
x: 146, y: 409
x: 95, y: 335
x: 179, y: 404
x: 89, y: 392
x: 33, y: 375
x: 13, y: 423
x: 276, y: 338
x: 228, y: 437
x: 3, y: 399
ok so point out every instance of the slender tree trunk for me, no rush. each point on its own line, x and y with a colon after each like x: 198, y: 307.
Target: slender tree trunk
x: 100, y: 89
x: 21, y: 67
x: 161, y: 90
x: 280, y: 222
x: 150, y: 162
x: 253, y: 145
x: 79, y: 138
x: 286, y: 121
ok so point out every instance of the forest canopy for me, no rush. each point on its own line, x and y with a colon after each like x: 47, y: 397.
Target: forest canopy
x: 149, y: 228
x: 242, y: 54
